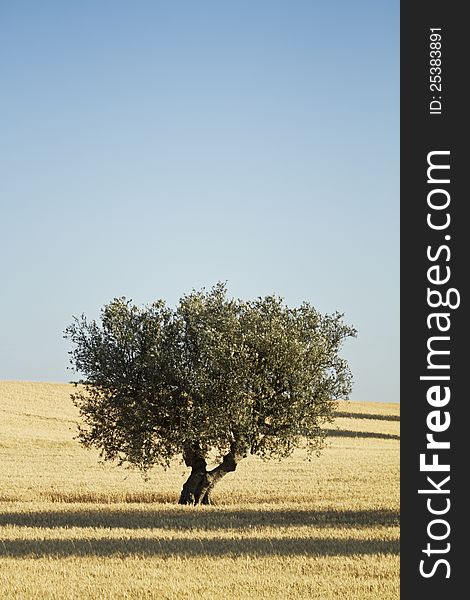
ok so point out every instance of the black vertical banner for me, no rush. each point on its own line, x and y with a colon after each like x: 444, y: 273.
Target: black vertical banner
x: 435, y: 435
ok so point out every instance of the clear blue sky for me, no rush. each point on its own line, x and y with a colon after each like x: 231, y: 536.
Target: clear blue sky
x: 149, y: 148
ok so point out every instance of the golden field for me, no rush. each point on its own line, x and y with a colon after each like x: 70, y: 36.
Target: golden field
x: 73, y: 528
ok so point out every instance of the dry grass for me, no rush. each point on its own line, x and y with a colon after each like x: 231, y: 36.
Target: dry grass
x: 72, y: 528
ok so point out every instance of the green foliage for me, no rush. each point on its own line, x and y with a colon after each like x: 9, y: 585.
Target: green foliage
x: 209, y: 373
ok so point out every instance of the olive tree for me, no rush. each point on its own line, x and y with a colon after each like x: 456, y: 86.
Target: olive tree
x: 214, y: 374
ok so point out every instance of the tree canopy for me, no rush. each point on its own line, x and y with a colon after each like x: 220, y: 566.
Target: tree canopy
x: 215, y: 373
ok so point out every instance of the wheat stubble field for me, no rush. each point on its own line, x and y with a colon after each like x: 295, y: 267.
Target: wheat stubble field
x: 73, y: 528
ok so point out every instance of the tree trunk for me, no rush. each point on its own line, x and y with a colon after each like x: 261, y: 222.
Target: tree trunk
x: 201, y: 482
x: 193, y: 457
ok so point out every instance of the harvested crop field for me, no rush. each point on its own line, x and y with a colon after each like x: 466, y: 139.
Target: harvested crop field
x: 71, y: 527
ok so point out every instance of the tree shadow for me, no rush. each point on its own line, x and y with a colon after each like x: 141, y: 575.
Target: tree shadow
x: 374, y: 417
x: 196, y: 547
x: 190, y: 518
x: 362, y: 434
